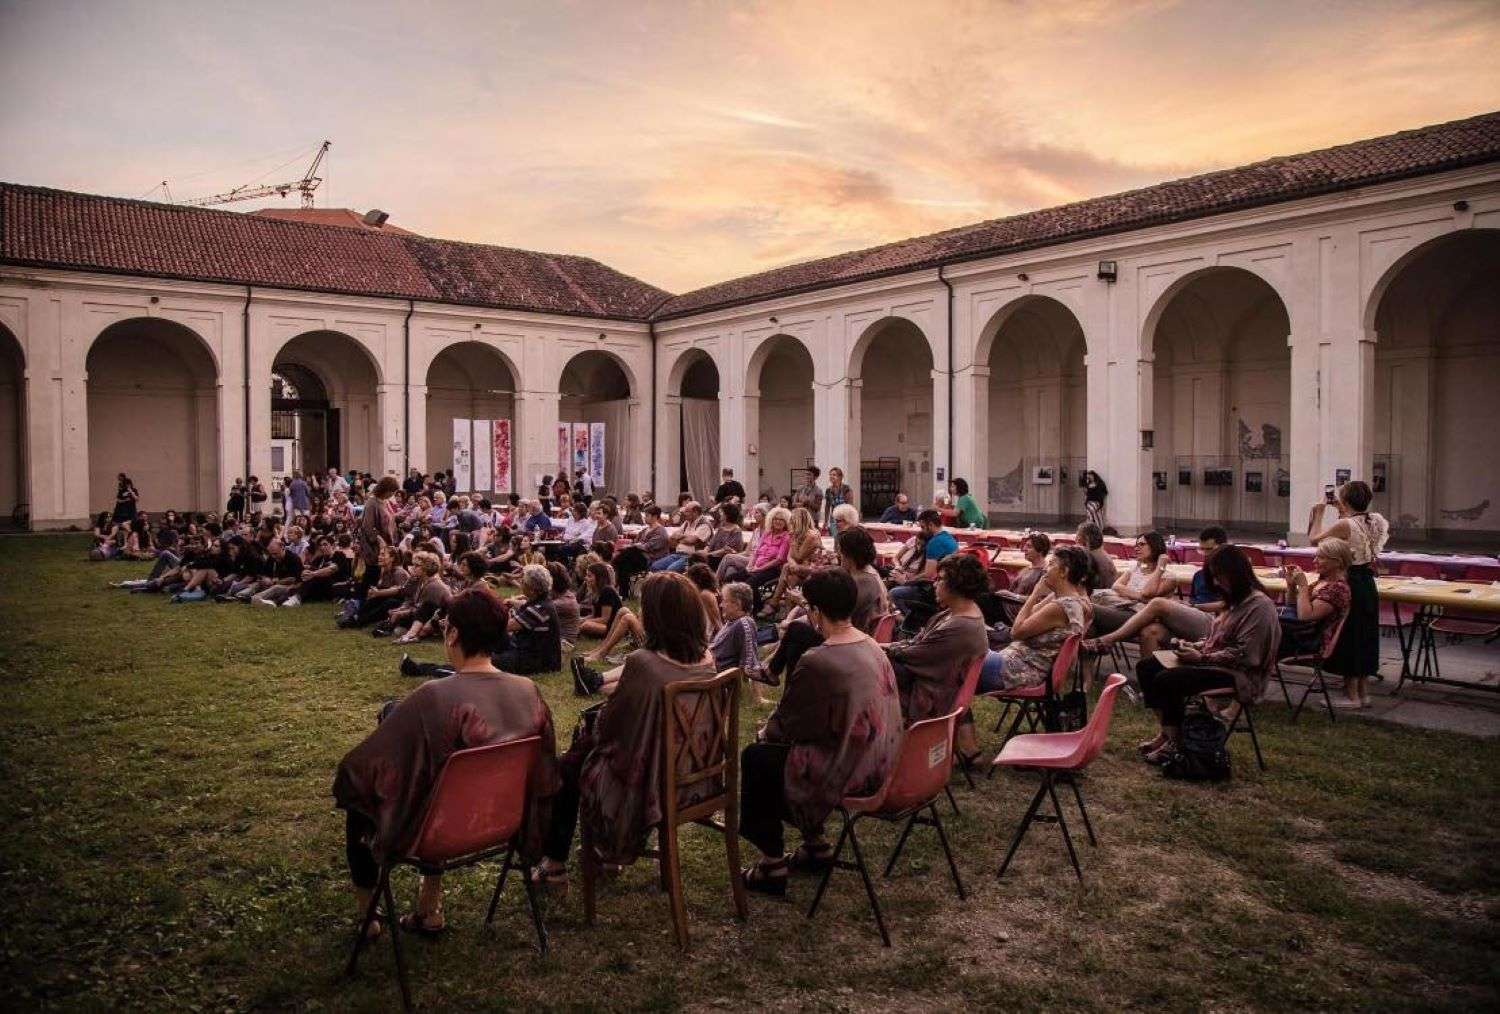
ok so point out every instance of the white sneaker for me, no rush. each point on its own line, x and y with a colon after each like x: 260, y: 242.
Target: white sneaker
x: 292, y: 602
x: 264, y: 602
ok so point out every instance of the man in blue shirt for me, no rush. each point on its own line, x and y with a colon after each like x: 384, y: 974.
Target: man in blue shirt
x: 1202, y: 592
x: 536, y: 521
x: 899, y: 513
x: 915, y: 587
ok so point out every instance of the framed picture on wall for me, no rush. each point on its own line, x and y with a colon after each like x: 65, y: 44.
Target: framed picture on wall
x: 1254, y: 482
x: 1041, y: 475
x: 1159, y: 479
x: 1283, y: 482
x: 1377, y: 477
x: 1184, y: 477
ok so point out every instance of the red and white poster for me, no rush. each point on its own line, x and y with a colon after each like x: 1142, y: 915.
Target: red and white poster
x: 501, y: 468
x: 580, y: 450
x: 564, y: 448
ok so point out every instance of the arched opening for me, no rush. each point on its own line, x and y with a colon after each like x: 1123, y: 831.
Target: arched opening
x: 14, y: 497
x: 698, y: 444
x: 1221, y: 400
x: 471, y: 381
x: 595, y: 389
x: 896, y: 425
x: 782, y: 371
x: 1037, y: 413
x: 324, y: 409
x: 1437, y: 369
x: 153, y: 414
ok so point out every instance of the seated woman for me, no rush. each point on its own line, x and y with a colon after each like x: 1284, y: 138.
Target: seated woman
x: 1313, y: 613
x: 771, y: 551
x: 535, y: 630
x: 1165, y: 616
x: 802, y: 553
x: 734, y: 566
x: 733, y: 645
x: 726, y: 541
x: 1135, y: 586
x: 835, y: 732
x: 1239, y: 652
x: 708, y: 595
x: 565, y: 603
x: 930, y: 667
x: 385, y: 594
x: 611, y: 775
x: 384, y: 783
x: 856, y: 554
x: 605, y: 598
x: 429, y: 598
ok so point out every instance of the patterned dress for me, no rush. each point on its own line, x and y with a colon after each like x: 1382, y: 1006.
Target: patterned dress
x: 1028, y: 662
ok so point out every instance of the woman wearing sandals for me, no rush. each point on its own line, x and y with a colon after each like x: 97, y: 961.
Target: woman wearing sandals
x: 835, y: 732
x: 383, y: 784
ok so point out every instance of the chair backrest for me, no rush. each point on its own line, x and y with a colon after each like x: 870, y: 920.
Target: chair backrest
x: 1420, y: 568
x: 1120, y: 550
x: 1062, y: 666
x: 885, y: 628
x: 1481, y: 572
x: 478, y: 801
x: 1338, y: 632
x: 979, y: 553
x: 999, y: 578
x: 1256, y: 555
x: 970, y: 684
x: 998, y: 542
x: 923, y: 765
x: 1097, y: 731
x: 700, y: 742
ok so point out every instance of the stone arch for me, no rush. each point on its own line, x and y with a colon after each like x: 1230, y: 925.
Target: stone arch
x: 153, y: 413
x: 779, y: 395
x: 1220, y: 400
x: 1036, y: 423
x: 342, y: 429
x: 693, y: 390
x: 1437, y: 365
x: 14, y: 479
x: 470, y: 380
x: 893, y: 361
x: 598, y: 386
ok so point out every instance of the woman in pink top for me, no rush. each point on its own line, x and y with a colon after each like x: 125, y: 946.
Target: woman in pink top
x: 770, y: 553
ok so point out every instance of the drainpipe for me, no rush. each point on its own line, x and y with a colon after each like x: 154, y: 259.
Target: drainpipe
x: 949, y: 286
x: 245, y: 355
x: 411, y: 308
x: 651, y: 332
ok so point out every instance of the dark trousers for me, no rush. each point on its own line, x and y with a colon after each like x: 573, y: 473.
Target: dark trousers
x: 630, y: 563
x: 763, y: 797
x: 374, y: 610
x: 760, y: 580
x: 795, y: 642
x: 1167, y: 690
x: 368, y: 580
x: 359, y: 831
x: 564, y: 819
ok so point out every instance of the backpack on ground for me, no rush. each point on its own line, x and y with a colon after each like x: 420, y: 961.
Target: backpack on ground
x: 1203, y: 753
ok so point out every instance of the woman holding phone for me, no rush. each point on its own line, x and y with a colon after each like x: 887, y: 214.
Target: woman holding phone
x: 1357, y: 655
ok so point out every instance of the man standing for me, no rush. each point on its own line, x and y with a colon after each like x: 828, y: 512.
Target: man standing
x: 729, y: 487
x: 808, y: 494
x: 298, y: 495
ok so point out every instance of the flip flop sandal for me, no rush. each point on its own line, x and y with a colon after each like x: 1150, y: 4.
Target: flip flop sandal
x: 807, y: 863
x: 550, y: 879
x: 411, y: 922
x: 758, y: 882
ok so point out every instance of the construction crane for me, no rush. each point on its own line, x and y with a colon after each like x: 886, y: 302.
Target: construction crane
x: 249, y: 192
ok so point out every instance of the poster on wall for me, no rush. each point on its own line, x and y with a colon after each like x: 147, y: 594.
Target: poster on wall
x: 564, y: 447
x: 1377, y: 478
x: 463, y: 455
x: 596, y: 453
x: 1041, y: 475
x: 500, y: 467
x: 1254, y: 482
x: 580, y: 449
x: 484, y: 455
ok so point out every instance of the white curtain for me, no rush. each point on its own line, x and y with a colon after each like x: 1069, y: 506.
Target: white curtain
x: 700, y: 445
x: 615, y: 415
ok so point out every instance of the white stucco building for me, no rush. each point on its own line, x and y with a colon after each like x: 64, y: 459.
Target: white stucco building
x: 1218, y: 349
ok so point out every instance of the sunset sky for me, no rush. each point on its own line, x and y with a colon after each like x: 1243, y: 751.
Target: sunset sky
x: 689, y: 142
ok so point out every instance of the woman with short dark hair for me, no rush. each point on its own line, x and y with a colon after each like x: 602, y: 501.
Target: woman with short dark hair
x: 1141, y: 582
x: 930, y: 667
x: 384, y: 783
x: 612, y: 773
x: 1239, y: 652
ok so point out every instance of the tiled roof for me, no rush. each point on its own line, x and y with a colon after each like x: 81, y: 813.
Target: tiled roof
x: 346, y: 217
x: 1410, y: 153
x: 58, y: 229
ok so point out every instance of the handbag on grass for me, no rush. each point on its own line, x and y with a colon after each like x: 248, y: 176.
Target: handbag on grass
x: 1203, y: 753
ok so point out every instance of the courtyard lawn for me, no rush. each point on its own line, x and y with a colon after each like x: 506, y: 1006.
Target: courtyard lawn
x: 169, y: 842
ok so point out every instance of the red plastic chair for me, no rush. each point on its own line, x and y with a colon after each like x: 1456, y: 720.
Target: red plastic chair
x: 961, y: 702
x: 1256, y: 555
x: 1030, y: 702
x: 475, y: 812
x: 1059, y: 756
x: 979, y: 553
x: 921, y: 772
x: 1425, y: 569
x: 885, y: 628
x: 999, y: 578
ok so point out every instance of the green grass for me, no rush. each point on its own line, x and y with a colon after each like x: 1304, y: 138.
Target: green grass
x: 170, y: 842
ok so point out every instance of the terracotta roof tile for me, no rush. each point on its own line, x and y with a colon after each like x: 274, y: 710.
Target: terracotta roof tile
x: 53, y: 228
x: 1410, y: 153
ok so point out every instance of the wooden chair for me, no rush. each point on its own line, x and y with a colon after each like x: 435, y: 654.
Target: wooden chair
x: 700, y: 748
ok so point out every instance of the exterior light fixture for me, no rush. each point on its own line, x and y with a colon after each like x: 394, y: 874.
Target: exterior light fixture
x: 775, y: 321
x: 1108, y: 271
x: 1460, y: 205
x: 1023, y: 276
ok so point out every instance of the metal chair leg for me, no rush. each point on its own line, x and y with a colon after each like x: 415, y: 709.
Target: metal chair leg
x: 859, y: 861
x: 500, y: 884
x: 1087, y: 825
x: 900, y: 844
x: 838, y: 850
x: 1254, y: 739
x: 951, y: 801
x: 394, y: 932
x: 363, y: 928
x: 943, y: 839
x: 1036, y: 801
x: 536, y: 913
x: 1062, y: 822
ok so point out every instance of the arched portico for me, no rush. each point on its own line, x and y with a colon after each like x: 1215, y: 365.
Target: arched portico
x: 1036, y: 426
x: 597, y: 386
x: 470, y: 380
x: 693, y: 435
x: 779, y: 408
x: 333, y: 419
x: 892, y: 422
x: 14, y: 485
x: 1435, y: 315
x: 153, y: 413
x: 1220, y: 402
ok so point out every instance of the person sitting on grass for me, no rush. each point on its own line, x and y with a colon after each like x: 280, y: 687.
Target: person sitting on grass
x: 1165, y: 617
x: 385, y: 594
x: 284, y: 575
x: 835, y: 732
x: 611, y: 773
x: 383, y: 784
x: 565, y: 603
x: 605, y: 601
x: 430, y: 598
x: 1239, y: 652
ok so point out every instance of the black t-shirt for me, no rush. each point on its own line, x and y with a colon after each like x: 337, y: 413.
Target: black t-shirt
x: 729, y: 489
x: 608, y: 598
x: 290, y: 565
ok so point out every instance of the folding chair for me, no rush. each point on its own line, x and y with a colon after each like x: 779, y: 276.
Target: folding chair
x: 962, y: 702
x: 1244, y: 711
x: 1255, y: 554
x: 700, y: 776
x: 1060, y: 756
x: 999, y: 578
x: 1030, y: 702
x: 476, y: 811
x: 921, y: 772
x: 979, y: 553
x: 885, y: 628
x: 1314, y: 661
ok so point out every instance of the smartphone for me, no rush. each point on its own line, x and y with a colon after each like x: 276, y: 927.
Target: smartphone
x: 1328, y: 494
